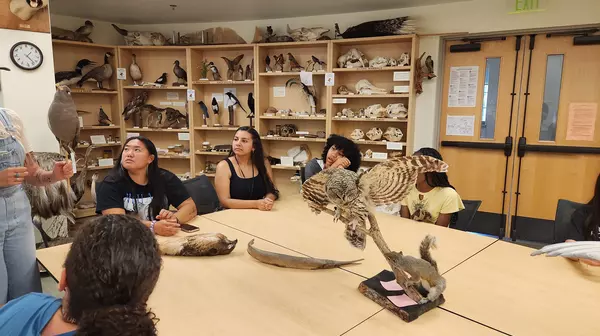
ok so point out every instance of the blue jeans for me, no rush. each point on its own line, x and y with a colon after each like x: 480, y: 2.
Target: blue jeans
x: 19, y: 272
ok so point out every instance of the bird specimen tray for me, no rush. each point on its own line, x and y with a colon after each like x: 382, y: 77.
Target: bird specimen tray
x: 384, y: 291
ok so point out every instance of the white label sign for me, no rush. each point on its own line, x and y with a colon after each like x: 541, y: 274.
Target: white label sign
x: 172, y: 95
x: 329, y: 79
x: 183, y: 136
x: 179, y: 104
x: 401, y: 88
x: 340, y: 100
x: 287, y: 161
x: 279, y: 91
x: 80, y: 121
x: 380, y: 156
x: 306, y: 78
x: 106, y: 162
x: 121, y: 74
x: 166, y: 103
x: 394, y: 145
x: 98, y: 139
x: 401, y: 76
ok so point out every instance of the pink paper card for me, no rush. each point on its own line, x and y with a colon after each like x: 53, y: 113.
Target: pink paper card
x: 391, y: 285
x: 401, y: 300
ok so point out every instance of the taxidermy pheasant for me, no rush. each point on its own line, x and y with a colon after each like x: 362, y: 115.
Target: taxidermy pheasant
x: 354, y: 195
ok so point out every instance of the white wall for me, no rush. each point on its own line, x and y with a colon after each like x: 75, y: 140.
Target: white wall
x: 103, y: 32
x: 29, y: 93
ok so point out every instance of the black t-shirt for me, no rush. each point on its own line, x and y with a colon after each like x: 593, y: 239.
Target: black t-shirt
x: 126, y: 194
x: 580, y: 221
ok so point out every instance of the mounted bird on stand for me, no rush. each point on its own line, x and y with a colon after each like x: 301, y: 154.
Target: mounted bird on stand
x: 99, y: 74
x: 423, y: 72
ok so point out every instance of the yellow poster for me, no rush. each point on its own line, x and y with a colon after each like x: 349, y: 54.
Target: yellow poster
x: 582, y: 121
x: 27, y: 15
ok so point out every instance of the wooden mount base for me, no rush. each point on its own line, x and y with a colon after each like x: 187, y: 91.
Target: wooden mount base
x: 373, y: 289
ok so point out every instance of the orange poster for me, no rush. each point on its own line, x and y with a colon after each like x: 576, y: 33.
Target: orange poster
x: 29, y: 15
x: 582, y: 121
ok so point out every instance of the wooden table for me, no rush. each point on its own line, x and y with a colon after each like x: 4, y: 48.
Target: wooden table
x: 293, y: 225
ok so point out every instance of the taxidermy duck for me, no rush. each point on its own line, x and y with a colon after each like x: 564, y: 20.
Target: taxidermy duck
x: 63, y: 119
x: 134, y: 70
x: 69, y: 78
x: 397, y: 26
x: 180, y: 73
x: 99, y: 74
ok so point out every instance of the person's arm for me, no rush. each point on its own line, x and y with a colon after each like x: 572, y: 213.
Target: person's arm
x: 271, y: 196
x: 404, y: 212
x: 452, y: 204
x: 312, y: 168
x: 443, y: 220
x: 178, y: 196
x: 222, y: 182
x: 39, y: 177
x: 577, y: 226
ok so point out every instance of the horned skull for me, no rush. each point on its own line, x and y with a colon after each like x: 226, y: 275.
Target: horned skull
x: 26, y: 9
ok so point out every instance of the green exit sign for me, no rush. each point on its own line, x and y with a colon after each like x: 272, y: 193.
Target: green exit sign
x: 526, y: 6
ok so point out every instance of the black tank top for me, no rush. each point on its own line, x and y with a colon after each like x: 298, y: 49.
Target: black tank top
x: 245, y: 188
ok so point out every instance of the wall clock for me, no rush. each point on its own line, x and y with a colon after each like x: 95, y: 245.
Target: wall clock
x: 26, y: 56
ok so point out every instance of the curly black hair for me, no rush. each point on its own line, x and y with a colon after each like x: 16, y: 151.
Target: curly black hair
x: 111, y: 269
x: 435, y: 179
x: 347, y: 147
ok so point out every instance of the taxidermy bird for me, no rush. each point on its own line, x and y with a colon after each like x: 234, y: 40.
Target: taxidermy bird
x: 315, y: 64
x: 251, y: 107
x: 233, y: 66
x: 162, y: 80
x: 133, y: 106
x: 429, y: 67
x: 99, y: 74
x: 69, y: 78
x: 215, y: 106
x: 354, y: 195
x: 235, y: 100
x: 250, y: 72
x: 309, y: 93
x: 180, y: 73
x: 93, y: 186
x: 78, y: 182
x: 215, y: 71
x: 86, y: 29
x: 103, y: 119
x: 63, y: 119
x: 205, y: 114
x: 397, y: 26
x: 134, y: 70
x: 279, y: 62
x: 580, y: 250
x: 294, y: 65
x: 268, y: 64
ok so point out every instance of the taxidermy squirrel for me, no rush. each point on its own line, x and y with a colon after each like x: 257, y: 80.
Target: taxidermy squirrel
x: 422, y: 271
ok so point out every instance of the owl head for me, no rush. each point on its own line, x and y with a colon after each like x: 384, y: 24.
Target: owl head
x: 342, y: 187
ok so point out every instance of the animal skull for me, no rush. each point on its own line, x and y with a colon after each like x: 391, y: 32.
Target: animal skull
x: 25, y: 10
x: 397, y: 111
x: 353, y: 59
x: 348, y: 113
x: 306, y: 34
x: 357, y: 134
x: 374, y: 134
x: 404, y: 59
x: 379, y: 62
x: 375, y: 111
x: 366, y: 88
x: 368, y: 154
x: 393, y: 134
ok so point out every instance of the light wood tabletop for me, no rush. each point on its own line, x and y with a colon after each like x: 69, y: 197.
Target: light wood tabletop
x: 291, y: 224
x: 507, y: 289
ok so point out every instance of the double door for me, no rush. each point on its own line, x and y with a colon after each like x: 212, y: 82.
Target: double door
x: 520, y: 128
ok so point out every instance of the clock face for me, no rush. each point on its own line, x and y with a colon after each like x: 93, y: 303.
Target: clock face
x: 26, y: 56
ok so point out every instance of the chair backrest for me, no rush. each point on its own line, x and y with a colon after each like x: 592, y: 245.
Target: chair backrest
x: 203, y: 193
x: 562, y: 219
x: 302, y: 174
x: 465, y: 217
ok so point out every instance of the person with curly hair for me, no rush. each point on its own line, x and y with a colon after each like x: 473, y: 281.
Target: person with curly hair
x: 339, y: 152
x: 109, y: 273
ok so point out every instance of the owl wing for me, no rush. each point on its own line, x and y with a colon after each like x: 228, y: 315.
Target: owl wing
x: 390, y: 182
x: 584, y: 249
x: 313, y: 190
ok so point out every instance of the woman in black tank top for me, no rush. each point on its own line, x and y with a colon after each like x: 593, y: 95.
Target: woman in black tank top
x: 244, y: 180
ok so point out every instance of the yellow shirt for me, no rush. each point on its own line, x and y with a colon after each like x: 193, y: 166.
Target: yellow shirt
x: 427, y: 207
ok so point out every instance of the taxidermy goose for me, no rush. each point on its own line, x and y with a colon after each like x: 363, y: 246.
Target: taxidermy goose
x: 69, y: 78
x: 135, y: 71
x: 99, y: 74
x: 63, y: 119
x: 583, y: 249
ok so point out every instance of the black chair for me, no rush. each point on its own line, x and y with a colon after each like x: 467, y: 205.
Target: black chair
x: 203, y: 193
x: 466, y: 216
x: 303, y: 174
x: 562, y: 219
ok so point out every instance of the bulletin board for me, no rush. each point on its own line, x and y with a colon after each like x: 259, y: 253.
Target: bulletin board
x: 21, y: 15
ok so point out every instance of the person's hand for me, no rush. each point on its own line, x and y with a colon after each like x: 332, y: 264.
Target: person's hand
x: 166, y: 229
x: 12, y: 176
x: 341, y: 162
x: 265, y: 204
x: 63, y: 170
x: 166, y: 215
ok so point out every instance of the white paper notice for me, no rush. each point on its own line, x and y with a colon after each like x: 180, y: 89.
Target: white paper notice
x: 340, y: 100
x: 460, y: 125
x: 463, y: 86
x: 582, y: 121
x: 121, y: 74
x: 106, y: 162
x: 98, y: 139
x: 191, y: 94
x: 279, y: 91
x: 287, y: 161
x: 166, y: 103
x: 306, y: 78
x: 329, y: 79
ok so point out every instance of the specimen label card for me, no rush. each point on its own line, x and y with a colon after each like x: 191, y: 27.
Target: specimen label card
x: 306, y: 78
x: 121, y: 74
x: 183, y: 136
x: 191, y: 94
x: 329, y: 79
x: 279, y: 91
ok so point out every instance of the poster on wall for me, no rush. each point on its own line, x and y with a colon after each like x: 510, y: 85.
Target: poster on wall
x: 30, y: 15
x: 460, y: 125
x: 462, y: 91
x: 582, y: 121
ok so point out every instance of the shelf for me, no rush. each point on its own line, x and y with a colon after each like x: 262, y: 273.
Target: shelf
x: 292, y: 118
x: 394, y: 68
x: 238, y: 46
x: 172, y: 130
x: 293, y: 139
x: 83, y: 213
x: 153, y: 47
x: 225, y: 82
x: 99, y: 168
x: 99, y: 146
x: 288, y: 73
x: 87, y: 128
x: 216, y: 128
x: 212, y: 153
x: 296, y: 168
x: 375, y: 143
x: 373, y: 96
x: 83, y: 44
x: 208, y: 175
x: 371, y: 119
x: 139, y: 87
x: 174, y: 157
x: 88, y: 91
x: 372, y: 160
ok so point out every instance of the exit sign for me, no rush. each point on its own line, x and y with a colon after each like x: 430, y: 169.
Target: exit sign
x: 526, y: 6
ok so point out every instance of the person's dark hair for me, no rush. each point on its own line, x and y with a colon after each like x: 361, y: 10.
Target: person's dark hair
x: 119, y: 174
x: 112, y: 268
x: 435, y: 179
x: 258, y: 159
x: 347, y: 146
x: 593, y: 221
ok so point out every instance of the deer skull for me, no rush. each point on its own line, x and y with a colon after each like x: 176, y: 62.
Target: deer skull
x: 26, y: 9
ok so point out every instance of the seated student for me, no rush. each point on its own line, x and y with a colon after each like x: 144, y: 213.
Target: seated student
x: 585, y: 222
x: 245, y: 180
x: 433, y: 200
x: 110, y: 271
x: 138, y: 186
x: 339, y: 152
